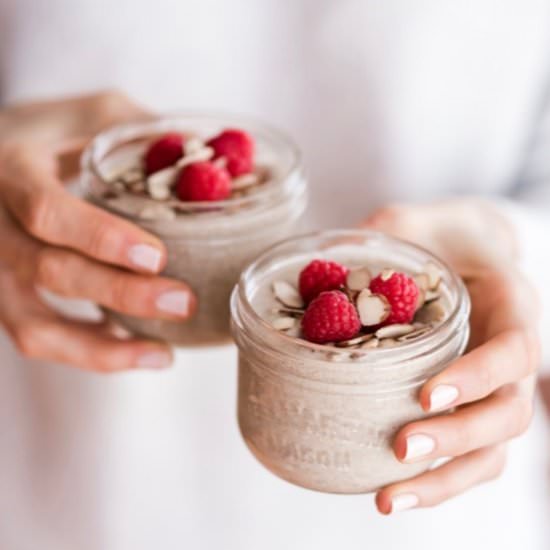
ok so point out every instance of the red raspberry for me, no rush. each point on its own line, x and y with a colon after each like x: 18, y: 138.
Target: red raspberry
x: 331, y: 317
x: 321, y: 275
x: 163, y: 152
x: 203, y: 181
x: 402, y: 294
x: 238, y: 149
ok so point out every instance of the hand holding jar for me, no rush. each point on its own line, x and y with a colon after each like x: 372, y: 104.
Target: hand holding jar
x: 491, y: 386
x: 54, y: 240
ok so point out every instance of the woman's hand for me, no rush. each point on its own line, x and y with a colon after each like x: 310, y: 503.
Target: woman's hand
x: 492, y: 385
x: 54, y: 240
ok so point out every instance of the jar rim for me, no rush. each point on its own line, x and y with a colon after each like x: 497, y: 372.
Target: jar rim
x: 414, y: 348
x: 94, y: 153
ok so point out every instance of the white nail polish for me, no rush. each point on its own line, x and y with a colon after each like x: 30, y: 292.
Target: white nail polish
x: 145, y: 256
x: 154, y: 360
x: 442, y: 396
x: 403, y: 502
x: 174, y: 301
x: 419, y: 445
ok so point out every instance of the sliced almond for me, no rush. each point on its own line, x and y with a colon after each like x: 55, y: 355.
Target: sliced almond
x: 430, y: 313
x: 422, y: 281
x: 289, y: 311
x: 372, y: 308
x: 372, y: 343
x: 416, y: 333
x: 157, y: 212
x: 421, y: 299
x: 202, y: 155
x: 220, y: 162
x: 284, y: 323
x: 394, y: 331
x: 431, y: 296
x: 192, y: 145
x: 386, y: 274
x: 355, y: 341
x: 359, y: 278
x: 434, y: 275
x: 160, y: 183
x: 287, y: 294
x: 132, y: 176
x: 119, y: 172
x: 244, y: 181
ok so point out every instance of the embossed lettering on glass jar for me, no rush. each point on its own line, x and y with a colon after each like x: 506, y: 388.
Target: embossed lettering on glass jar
x: 208, y: 243
x: 324, y: 417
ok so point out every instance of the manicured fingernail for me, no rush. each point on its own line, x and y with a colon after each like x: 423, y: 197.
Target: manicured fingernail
x: 419, y: 445
x: 175, y: 302
x: 403, y: 502
x: 442, y: 396
x: 145, y: 256
x: 154, y: 360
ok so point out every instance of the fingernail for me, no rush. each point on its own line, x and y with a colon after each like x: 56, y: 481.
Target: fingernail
x: 419, y: 445
x: 403, y: 502
x: 442, y: 396
x: 154, y: 360
x: 145, y: 256
x: 175, y: 302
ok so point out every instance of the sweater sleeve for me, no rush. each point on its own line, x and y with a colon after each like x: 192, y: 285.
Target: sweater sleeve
x: 528, y: 208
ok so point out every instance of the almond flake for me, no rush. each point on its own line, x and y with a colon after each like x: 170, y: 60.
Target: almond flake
x: 434, y: 275
x: 358, y: 279
x: 220, y: 162
x: 415, y: 334
x: 355, y: 341
x: 372, y: 308
x: 372, y: 343
x: 422, y: 281
x: 133, y: 175
x: 159, y: 183
x: 394, y: 331
x: 120, y: 171
x: 192, y: 145
x: 157, y: 212
x: 421, y: 298
x: 290, y: 311
x: 430, y: 313
x: 284, y: 323
x: 204, y: 154
x: 287, y: 294
x: 244, y: 181
x: 431, y: 296
x: 386, y: 274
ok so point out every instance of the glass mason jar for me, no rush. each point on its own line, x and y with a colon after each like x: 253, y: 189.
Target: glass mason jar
x: 208, y: 243
x: 324, y: 417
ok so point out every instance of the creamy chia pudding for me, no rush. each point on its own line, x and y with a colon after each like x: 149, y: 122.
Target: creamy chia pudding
x: 216, y: 190
x: 337, y: 332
